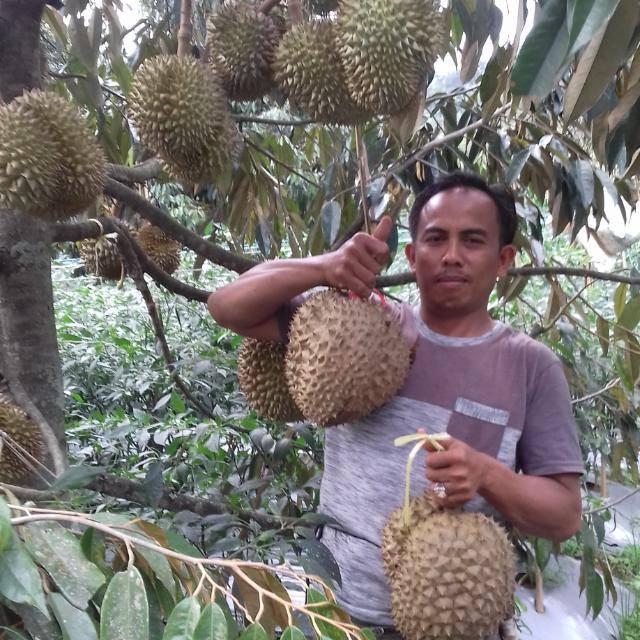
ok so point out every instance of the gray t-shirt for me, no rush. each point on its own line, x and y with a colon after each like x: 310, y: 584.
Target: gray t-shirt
x: 502, y: 393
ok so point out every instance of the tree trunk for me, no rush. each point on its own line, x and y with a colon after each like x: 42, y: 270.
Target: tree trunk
x: 28, y: 342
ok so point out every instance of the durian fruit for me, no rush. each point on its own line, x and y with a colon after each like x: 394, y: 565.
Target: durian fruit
x: 179, y: 109
x: 160, y: 247
x: 309, y: 72
x: 242, y: 42
x: 262, y: 379
x: 50, y: 164
x: 22, y: 433
x: 101, y: 257
x: 345, y: 358
x: 451, y: 573
x: 386, y: 47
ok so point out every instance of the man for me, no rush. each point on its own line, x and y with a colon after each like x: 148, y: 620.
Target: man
x: 501, y: 397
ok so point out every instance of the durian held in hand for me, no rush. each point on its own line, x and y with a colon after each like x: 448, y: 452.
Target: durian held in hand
x: 345, y: 356
x: 451, y: 572
x: 50, y: 163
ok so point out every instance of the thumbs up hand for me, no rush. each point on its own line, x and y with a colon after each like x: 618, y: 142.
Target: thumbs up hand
x: 357, y: 263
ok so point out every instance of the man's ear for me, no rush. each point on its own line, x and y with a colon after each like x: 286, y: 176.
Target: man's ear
x: 410, y: 252
x: 505, y: 259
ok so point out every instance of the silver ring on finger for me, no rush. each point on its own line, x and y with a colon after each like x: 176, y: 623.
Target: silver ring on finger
x: 439, y: 490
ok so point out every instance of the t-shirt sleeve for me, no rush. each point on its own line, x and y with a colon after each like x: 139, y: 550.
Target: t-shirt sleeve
x: 402, y: 313
x: 549, y: 442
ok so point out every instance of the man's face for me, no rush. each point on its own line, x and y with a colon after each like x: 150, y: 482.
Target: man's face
x: 456, y: 255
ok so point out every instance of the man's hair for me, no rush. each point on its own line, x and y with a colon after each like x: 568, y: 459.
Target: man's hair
x: 501, y: 196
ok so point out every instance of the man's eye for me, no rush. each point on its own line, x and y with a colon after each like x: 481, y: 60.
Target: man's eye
x: 432, y: 239
x: 475, y: 240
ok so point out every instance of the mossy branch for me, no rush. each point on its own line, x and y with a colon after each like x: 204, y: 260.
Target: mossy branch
x: 188, y: 238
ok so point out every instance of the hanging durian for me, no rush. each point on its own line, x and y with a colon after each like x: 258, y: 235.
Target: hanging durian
x: 161, y: 248
x: 309, y: 72
x: 50, y: 164
x: 387, y: 47
x: 179, y: 109
x: 241, y: 42
x: 333, y: 372
x: 262, y: 379
x: 21, y: 442
x: 101, y: 257
x: 451, y: 572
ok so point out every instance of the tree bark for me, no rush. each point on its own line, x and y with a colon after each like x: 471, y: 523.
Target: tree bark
x: 28, y: 341
x: 19, y: 46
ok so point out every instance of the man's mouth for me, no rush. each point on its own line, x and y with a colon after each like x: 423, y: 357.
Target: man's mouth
x: 450, y: 278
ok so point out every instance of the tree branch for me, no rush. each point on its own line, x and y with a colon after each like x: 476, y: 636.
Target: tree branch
x: 239, y: 117
x: 147, y: 170
x: 408, y: 277
x: 135, y: 271
x: 171, y: 500
x: 188, y: 238
x: 186, y: 29
x: 400, y: 166
x: 85, y: 230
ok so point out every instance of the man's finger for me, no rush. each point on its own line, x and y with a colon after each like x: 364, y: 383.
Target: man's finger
x: 383, y: 228
x: 439, y: 460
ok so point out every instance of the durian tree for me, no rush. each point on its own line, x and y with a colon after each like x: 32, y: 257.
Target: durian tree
x: 325, y: 131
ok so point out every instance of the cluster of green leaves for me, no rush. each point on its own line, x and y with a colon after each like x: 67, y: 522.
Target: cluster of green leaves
x: 125, y: 416
x: 89, y: 584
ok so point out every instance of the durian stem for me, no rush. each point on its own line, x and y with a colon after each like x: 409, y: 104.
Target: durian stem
x: 365, y: 176
x: 186, y: 30
x: 419, y: 439
x: 539, y: 597
x: 295, y: 12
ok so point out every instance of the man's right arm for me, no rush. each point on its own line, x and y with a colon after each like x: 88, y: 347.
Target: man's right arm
x: 249, y: 305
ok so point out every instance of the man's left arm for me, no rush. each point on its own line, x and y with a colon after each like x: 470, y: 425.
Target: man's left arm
x: 548, y: 506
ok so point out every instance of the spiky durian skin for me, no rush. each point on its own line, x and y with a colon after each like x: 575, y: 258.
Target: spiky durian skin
x: 386, y: 47
x: 242, y: 43
x: 24, y: 433
x: 334, y: 373
x: 261, y: 366
x: 451, y: 573
x: 50, y: 164
x: 160, y: 247
x: 179, y: 110
x: 309, y: 71
x: 101, y: 257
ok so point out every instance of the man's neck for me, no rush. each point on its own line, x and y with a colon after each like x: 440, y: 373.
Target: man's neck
x: 456, y: 326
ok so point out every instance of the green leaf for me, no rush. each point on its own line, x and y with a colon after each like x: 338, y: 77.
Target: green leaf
x: 160, y: 567
x: 586, y: 18
x: 213, y: 624
x: 74, y: 623
x: 5, y: 525
x: 595, y: 593
x: 585, y: 181
x: 542, y: 53
x: 76, y: 477
x: 254, y: 632
x: 602, y: 327
x: 330, y: 214
x: 61, y: 555
x: 619, y: 298
x: 12, y: 634
x: 292, y: 633
x: 19, y: 577
x: 630, y: 316
x: 600, y: 60
x: 124, y: 614
x: 331, y: 610
x: 518, y: 162
x: 183, y: 620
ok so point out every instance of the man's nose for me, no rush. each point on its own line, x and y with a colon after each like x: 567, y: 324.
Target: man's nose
x: 452, y: 253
